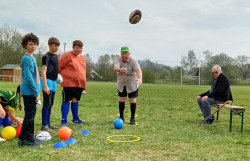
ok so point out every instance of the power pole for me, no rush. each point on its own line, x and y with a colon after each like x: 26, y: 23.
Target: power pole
x: 64, y: 45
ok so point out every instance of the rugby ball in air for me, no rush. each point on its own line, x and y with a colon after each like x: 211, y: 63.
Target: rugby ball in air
x: 43, y: 136
x: 59, y: 78
x: 135, y: 16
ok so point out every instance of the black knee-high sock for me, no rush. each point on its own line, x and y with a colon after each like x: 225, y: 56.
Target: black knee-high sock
x: 133, y: 109
x: 121, y: 108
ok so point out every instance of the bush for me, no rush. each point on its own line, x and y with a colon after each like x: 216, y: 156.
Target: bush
x: 148, y: 76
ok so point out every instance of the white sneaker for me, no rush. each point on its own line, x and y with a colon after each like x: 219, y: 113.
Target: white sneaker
x: 2, y: 139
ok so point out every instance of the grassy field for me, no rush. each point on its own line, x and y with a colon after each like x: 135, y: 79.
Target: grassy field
x: 168, y: 116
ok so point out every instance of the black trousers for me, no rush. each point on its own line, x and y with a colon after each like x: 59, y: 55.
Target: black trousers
x: 48, y: 100
x: 27, y: 131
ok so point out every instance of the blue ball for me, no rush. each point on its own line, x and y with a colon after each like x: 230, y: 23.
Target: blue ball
x: 118, y: 123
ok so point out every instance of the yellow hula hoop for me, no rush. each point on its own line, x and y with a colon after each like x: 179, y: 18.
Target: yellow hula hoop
x: 117, y: 141
x: 127, y: 115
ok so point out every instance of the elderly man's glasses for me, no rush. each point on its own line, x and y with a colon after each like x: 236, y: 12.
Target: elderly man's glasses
x: 216, y: 72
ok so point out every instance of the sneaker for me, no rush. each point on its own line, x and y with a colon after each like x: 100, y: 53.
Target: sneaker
x: 210, y: 121
x: 63, y: 122
x: 46, y: 128
x: 132, y: 121
x: 2, y: 139
x: 52, y: 126
x: 34, y: 143
x: 78, y: 121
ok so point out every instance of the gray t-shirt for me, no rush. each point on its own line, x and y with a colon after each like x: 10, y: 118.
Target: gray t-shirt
x: 128, y: 79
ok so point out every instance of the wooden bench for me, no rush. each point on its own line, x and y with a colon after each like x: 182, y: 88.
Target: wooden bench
x: 234, y: 110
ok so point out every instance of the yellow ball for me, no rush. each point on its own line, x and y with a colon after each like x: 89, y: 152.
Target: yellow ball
x: 8, y: 132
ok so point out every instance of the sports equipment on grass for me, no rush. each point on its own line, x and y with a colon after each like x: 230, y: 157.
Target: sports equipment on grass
x: 8, y: 132
x: 135, y: 16
x: 70, y: 140
x: 43, y: 136
x: 14, y: 123
x: 85, y: 132
x: 59, y: 78
x: 59, y: 144
x: 18, y: 130
x: 123, y: 141
x: 118, y: 123
x: 65, y: 132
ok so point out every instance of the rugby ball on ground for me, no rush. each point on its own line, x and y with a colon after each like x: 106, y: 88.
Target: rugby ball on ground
x: 59, y: 78
x: 135, y: 16
x: 14, y: 124
x: 43, y: 136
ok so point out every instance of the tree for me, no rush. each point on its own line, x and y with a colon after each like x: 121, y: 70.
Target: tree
x: 227, y: 65
x: 242, y: 62
x: 89, y: 66
x: 11, y: 50
x: 148, y: 76
x: 113, y: 57
x: 190, y: 61
x: 40, y: 51
x: 106, y: 68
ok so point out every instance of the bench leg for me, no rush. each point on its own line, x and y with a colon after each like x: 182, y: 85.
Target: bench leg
x: 242, y: 114
x: 218, y: 112
x: 231, y: 117
x: 218, y: 115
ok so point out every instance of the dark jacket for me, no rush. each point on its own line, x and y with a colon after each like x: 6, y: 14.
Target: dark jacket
x: 221, y: 91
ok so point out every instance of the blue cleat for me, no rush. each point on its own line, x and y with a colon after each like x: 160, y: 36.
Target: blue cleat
x: 78, y: 121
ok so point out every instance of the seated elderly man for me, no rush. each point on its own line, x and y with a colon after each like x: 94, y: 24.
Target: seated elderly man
x: 220, y: 92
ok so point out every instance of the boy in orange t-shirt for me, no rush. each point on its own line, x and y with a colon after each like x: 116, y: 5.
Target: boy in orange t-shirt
x: 72, y: 67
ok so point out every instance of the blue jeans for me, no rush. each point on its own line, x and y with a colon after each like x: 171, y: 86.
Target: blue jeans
x: 205, y: 106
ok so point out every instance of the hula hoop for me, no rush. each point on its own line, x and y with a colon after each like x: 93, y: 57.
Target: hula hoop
x: 127, y: 115
x: 118, y: 141
x: 130, y: 115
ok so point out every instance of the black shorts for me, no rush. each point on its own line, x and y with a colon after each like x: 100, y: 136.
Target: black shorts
x: 68, y: 93
x: 48, y: 100
x: 130, y: 95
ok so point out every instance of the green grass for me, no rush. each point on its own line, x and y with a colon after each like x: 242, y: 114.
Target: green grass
x: 168, y: 116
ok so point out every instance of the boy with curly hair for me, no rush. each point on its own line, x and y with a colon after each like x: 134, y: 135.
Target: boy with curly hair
x: 30, y: 89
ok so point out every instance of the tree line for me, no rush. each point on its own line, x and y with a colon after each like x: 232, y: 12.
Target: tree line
x: 236, y: 69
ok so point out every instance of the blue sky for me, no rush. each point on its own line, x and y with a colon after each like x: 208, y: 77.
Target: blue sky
x: 167, y: 31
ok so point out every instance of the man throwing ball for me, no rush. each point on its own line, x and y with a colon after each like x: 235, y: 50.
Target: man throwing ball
x: 129, y: 77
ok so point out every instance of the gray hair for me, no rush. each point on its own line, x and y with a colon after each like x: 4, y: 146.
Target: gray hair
x: 218, y: 67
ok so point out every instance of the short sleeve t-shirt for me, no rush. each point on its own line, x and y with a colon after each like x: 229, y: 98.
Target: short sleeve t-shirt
x: 51, y: 61
x: 128, y: 79
x: 73, y: 70
x: 9, y: 98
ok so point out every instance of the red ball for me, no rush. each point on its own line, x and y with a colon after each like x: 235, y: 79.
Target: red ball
x: 65, y: 132
x: 18, y: 130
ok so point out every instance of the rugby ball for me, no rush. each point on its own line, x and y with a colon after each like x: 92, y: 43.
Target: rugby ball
x: 43, y: 136
x: 59, y: 78
x: 14, y: 124
x: 135, y: 16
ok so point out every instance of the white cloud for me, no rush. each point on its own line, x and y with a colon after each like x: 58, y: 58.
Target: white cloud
x: 167, y: 31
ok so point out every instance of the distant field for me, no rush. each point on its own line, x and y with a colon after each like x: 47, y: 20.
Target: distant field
x: 168, y: 116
